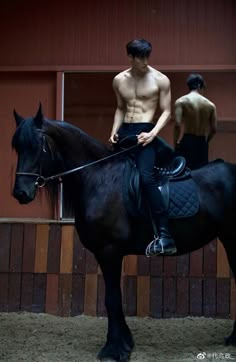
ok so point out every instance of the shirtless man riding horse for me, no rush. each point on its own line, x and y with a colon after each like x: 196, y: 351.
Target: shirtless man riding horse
x: 139, y: 91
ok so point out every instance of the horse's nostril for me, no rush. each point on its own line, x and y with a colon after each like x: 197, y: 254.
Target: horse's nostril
x: 17, y: 193
x: 21, y: 196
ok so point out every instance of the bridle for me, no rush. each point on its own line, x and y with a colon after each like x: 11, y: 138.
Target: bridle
x: 41, y: 180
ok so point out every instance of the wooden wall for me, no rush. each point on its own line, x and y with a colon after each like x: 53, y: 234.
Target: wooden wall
x: 45, y: 268
x: 94, y: 32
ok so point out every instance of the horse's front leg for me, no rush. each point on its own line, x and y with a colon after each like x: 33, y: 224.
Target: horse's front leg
x: 119, y: 342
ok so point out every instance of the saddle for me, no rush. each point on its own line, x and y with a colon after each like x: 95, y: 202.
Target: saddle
x: 179, y: 191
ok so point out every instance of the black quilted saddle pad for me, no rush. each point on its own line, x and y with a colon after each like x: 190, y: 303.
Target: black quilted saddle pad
x: 180, y: 196
x: 184, y: 200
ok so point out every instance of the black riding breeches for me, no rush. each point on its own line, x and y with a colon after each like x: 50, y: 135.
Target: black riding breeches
x: 145, y: 158
x: 194, y: 149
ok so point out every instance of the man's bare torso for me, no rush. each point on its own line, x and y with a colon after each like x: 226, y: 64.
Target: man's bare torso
x: 196, y: 113
x: 140, y: 94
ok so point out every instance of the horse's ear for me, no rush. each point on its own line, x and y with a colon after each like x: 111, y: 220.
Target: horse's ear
x: 18, y: 118
x: 38, y: 119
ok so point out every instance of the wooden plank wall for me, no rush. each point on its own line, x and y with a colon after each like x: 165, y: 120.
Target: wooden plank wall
x: 94, y: 32
x: 45, y: 268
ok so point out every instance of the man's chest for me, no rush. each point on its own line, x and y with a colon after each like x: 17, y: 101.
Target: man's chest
x: 142, y: 90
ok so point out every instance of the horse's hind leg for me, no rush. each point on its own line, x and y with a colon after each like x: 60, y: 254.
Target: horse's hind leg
x: 230, y: 248
x: 119, y: 343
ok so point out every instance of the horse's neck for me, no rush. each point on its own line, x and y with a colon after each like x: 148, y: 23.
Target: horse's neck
x: 75, y: 146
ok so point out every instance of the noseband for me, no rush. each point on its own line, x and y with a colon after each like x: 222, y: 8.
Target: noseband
x: 40, y: 180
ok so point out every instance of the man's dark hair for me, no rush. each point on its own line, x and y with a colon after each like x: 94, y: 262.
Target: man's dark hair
x: 195, y: 81
x: 139, y: 48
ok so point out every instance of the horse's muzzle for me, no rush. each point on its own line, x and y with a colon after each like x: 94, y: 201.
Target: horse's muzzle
x: 22, y: 196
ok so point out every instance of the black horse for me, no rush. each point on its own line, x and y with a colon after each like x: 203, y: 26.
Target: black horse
x: 47, y: 147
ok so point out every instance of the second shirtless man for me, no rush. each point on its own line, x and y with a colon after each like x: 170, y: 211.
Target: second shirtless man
x: 139, y: 91
x: 198, y: 116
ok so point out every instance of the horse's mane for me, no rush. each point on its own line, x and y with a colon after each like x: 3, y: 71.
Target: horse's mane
x: 83, y: 149
x: 84, y: 146
x: 27, y: 135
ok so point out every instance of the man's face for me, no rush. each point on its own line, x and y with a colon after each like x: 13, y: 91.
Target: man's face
x: 139, y: 64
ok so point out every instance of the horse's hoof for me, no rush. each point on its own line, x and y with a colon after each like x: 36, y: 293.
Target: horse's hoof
x: 108, y: 360
x: 112, y: 352
x: 231, y: 340
x: 120, y: 357
x: 113, y: 360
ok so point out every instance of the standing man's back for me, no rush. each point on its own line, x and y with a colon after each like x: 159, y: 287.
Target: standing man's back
x: 198, y: 116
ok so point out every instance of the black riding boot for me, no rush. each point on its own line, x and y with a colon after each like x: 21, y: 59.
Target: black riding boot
x: 163, y: 244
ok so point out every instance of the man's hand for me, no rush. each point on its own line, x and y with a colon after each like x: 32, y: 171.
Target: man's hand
x: 145, y: 138
x: 114, y: 138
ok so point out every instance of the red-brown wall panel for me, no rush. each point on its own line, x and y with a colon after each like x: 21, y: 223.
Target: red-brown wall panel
x: 95, y: 32
x: 22, y: 91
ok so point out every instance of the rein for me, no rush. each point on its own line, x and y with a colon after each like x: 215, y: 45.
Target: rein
x: 41, y: 180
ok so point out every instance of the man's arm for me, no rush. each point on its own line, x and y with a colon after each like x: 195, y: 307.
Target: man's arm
x: 165, y: 106
x: 119, y: 113
x: 178, y: 121
x: 212, y: 125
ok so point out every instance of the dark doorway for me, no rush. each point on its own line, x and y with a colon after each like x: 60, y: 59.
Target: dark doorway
x: 89, y: 103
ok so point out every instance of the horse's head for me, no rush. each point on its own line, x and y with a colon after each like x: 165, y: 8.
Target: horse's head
x: 35, y: 156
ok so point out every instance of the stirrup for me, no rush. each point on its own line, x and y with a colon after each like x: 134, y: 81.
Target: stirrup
x: 148, y: 248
